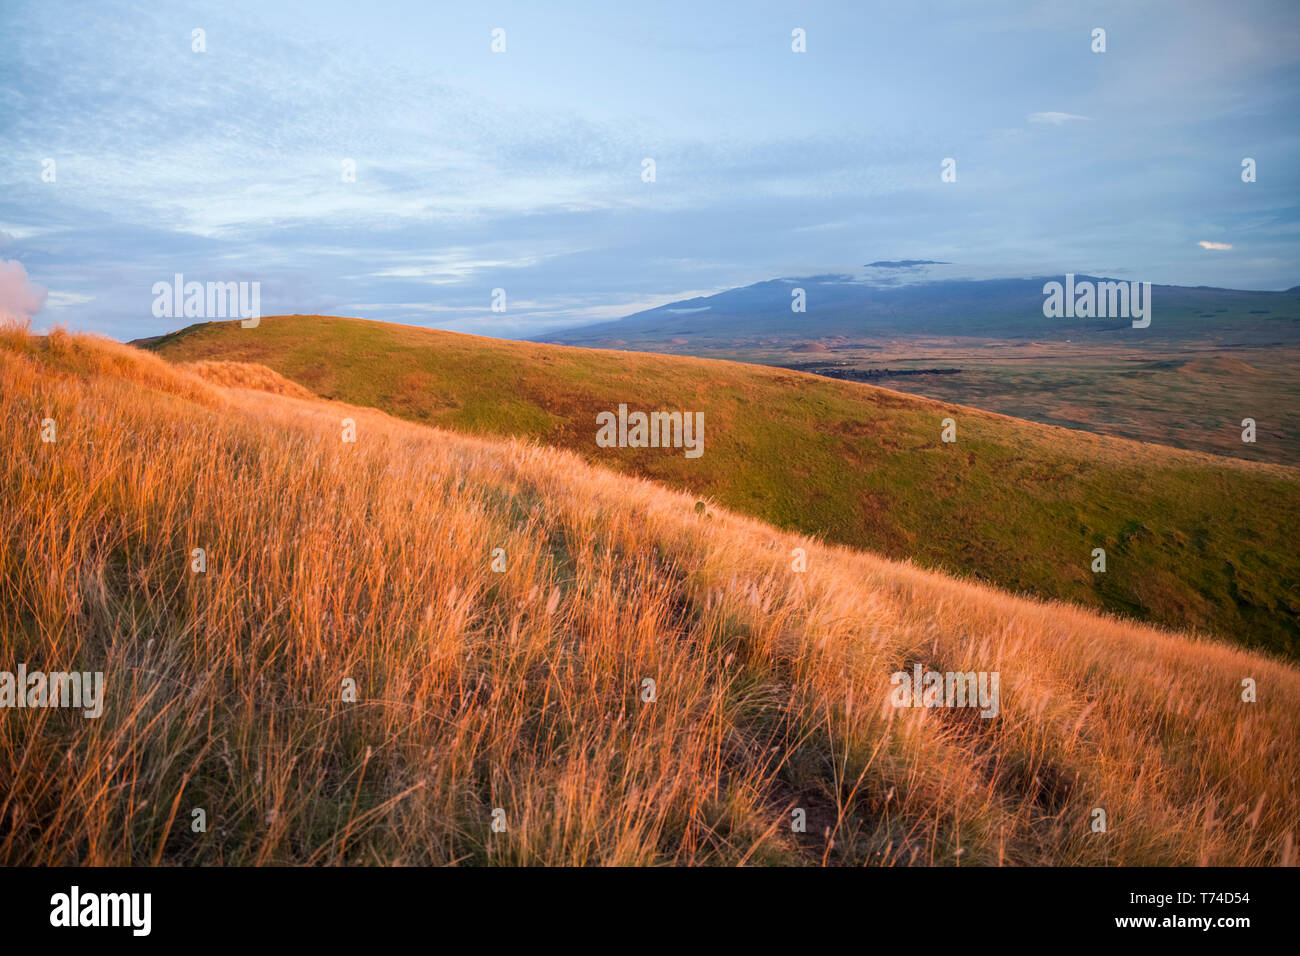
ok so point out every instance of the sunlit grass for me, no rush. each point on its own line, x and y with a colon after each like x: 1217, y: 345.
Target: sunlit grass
x: 522, y: 690
x: 1193, y: 541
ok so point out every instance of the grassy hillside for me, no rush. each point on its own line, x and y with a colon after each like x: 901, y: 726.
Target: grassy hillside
x: 522, y: 690
x: 1191, y: 540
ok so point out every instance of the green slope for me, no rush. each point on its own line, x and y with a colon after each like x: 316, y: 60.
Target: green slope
x: 1192, y: 541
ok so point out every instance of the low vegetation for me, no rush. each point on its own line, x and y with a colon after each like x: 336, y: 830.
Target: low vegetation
x: 1191, y: 540
x: 524, y: 690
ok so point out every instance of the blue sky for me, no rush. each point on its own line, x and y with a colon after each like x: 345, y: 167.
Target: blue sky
x: 522, y: 170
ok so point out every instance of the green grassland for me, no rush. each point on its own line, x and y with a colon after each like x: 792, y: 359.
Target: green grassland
x: 1192, y: 540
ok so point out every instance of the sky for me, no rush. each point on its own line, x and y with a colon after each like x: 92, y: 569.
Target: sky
x: 523, y: 170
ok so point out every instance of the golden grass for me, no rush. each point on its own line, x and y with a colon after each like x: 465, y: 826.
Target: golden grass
x: 246, y: 375
x: 522, y: 690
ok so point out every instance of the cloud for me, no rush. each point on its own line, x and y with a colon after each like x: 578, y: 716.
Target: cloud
x: 1055, y: 119
x: 905, y: 263
x: 476, y: 172
x: 62, y: 300
x: 1214, y: 245
x: 20, y: 298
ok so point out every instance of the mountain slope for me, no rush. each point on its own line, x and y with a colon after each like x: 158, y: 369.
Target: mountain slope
x: 1190, y: 540
x: 519, y: 695
x: 843, y: 307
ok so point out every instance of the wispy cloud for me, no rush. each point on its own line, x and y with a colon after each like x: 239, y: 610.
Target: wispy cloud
x: 1055, y: 119
x: 524, y: 170
x: 1214, y: 245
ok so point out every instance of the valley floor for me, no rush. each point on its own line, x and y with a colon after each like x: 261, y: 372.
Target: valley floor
x: 1192, y: 397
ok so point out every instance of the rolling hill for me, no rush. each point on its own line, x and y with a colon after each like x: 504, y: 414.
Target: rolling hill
x: 1191, y: 541
x: 353, y: 678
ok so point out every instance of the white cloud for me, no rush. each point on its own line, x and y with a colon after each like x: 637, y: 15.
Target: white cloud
x: 1055, y: 119
x: 20, y: 298
x: 1214, y: 245
x: 456, y: 265
x: 62, y: 300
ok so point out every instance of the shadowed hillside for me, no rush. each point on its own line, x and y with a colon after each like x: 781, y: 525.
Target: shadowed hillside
x: 519, y: 693
x: 1191, y: 540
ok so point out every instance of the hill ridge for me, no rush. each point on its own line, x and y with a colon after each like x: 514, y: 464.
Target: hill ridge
x: 1190, y: 539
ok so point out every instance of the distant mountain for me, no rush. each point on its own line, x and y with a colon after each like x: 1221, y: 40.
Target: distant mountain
x: 847, y: 309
